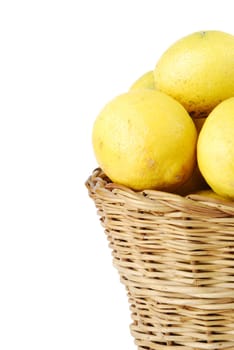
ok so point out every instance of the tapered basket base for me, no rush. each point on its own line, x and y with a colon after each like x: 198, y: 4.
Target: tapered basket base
x: 175, y: 256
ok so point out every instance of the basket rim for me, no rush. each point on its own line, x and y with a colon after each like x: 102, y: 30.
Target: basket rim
x: 99, y: 184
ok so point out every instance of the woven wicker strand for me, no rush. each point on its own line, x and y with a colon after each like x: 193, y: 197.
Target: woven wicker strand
x: 175, y: 256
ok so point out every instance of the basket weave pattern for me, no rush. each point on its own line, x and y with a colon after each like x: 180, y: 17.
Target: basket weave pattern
x: 175, y: 256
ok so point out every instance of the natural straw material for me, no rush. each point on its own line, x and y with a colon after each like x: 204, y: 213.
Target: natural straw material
x: 175, y: 256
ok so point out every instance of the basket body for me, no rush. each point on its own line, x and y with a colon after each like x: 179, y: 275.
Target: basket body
x: 175, y: 256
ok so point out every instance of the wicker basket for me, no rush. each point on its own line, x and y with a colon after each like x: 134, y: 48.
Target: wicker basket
x: 175, y: 256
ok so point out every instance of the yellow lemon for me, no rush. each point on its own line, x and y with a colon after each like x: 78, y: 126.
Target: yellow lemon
x: 145, y: 139
x: 198, y: 71
x: 215, y: 149
x: 145, y: 81
x: 210, y: 194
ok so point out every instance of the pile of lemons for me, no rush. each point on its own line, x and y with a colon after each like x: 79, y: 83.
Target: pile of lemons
x: 173, y: 130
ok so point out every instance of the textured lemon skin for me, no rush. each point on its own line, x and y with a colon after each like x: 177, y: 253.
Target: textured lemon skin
x: 198, y: 71
x: 145, y: 139
x: 215, y: 149
x: 146, y: 81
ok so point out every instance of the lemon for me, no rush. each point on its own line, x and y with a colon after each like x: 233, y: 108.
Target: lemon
x: 198, y: 71
x: 210, y: 194
x: 145, y: 139
x: 145, y: 81
x: 215, y: 149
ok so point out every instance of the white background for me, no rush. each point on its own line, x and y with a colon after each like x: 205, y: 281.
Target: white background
x: 60, y: 62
